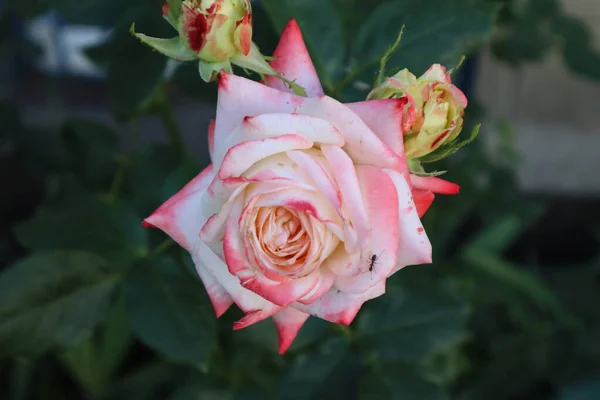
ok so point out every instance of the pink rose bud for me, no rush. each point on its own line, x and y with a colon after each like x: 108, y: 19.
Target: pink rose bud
x: 216, y: 30
x: 434, y: 112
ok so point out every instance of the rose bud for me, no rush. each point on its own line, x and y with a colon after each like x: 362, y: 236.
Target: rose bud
x: 434, y: 112
x: 216, y: 30
x: 218, y: 33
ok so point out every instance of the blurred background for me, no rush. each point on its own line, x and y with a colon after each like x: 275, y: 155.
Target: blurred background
x: 96, y: 130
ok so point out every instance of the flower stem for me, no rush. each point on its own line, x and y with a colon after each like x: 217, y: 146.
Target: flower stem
x: 167, y: 117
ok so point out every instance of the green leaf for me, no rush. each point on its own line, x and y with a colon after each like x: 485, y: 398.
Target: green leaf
x: 134, y: 71
x: 180, y: 176
x: 52, y: 300
x: 450, y: 148
x: 442, y: 32
x: 201, y: 392
x: 322, y: 31
x: 399, y: 382
x: 498, y: 237
x: 311, y: 373
x: 93, y: 148
x: 170, y: 311
x: 524, y: 282
x: 95, y: 360
x: 408, y: 325
x: 173, y: 48
x: 110, y: 231
x: 149, y: 168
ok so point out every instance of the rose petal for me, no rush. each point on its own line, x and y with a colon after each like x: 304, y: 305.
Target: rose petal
x: 423, y: 200
x: 415, y: 247
x: 180, y: 217
x: 382, y: 206
x: 342, y: 263
x: 279, y: 293
x: 319, y: 176
x: 362, y: 145
x: 241, y: 157
x: 293, y: 61
x: 246, y: 300
x: 239, y: 98
x: 326, y: 280
x: 267, y: 126
x: 288, y: 322
x: 347, y: 182
x: 436, y: 72
x: 211, y: 139
x: 434, y: 184
x: 220, y: 299
x: 384, y: 117
x: 311, y: 203
x: 339, y: 307
x: 459, y: 96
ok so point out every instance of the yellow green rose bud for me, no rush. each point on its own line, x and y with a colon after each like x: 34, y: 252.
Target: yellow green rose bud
x: 434, y: 112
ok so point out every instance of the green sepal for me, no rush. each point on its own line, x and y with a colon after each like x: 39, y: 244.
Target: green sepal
x: 457, y: 66
x: 381, y: 76
x: 172, y: 48
x: 174, y: 11
x: 256, y: 62
x: 450, y: 148
x: 209, y: 72
x: 416, y: 168
x: 429, y: 174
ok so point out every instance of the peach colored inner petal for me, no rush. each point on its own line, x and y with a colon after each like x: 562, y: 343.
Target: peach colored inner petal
x: 285, y: 243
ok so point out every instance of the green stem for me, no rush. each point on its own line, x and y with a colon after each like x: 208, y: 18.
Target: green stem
x: 168, y: 119
x: 116, y: 184
x: 164, y: 246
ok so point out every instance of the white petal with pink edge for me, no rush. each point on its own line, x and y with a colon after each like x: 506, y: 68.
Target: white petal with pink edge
x: 240, y: 97
x: 362, y: 145
x: 294, y: 62
x: 242, y: 156
x: 246, y: 300
x: 384, y: 118
x: 288, y: 322
x: 379, y: 256
x: 181, y: 217
x: 339, y: 307
x: 268, y: 126
x: 415, y: 247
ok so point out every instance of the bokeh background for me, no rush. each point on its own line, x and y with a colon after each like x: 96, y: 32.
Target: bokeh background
x: 96, y: 131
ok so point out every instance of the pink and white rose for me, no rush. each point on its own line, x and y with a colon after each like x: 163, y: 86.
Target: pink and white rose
x: 306, y: 208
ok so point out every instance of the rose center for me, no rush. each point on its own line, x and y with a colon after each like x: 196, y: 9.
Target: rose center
x: 283, y: 237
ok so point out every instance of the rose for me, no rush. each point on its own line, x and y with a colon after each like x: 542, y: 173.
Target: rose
x: 435, y: 110
x: 305, y: 210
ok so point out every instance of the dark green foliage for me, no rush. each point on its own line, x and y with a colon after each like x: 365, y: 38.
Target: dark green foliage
x: 170, y: 311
